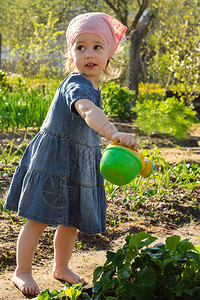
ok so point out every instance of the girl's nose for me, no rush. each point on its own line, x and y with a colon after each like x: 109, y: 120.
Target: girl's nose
x: 89, y: 54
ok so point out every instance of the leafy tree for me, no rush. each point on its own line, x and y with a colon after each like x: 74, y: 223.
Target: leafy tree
x: 18, y: 19
x: 138, y: 16
x: 175, y: 44
x: 168, y: 28
x: 45, y: 43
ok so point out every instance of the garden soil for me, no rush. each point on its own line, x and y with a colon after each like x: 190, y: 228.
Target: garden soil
x: 178, y: 214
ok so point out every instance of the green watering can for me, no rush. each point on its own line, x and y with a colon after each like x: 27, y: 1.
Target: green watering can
x: 120, y: 165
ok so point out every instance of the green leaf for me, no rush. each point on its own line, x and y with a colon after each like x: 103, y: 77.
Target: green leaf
x: 114, y: 281
x: 158, y: 246
x: 194, y: 256
x: 136, y: 242
x: 184, y: 246
x: 44, y: 295
x: 166, y: 262
x: 172, y: 242
x: 124, y: 273
x: 147, y: 242
x: 161, y: 263
x: 105, y: 284
x: 110, y: 255
x: 130, y: 255
x: 97, y: 273
x: 120, y: 290
x: 140, y: 293
x: 147, y: 277
x: 188, y: 273
x: 158, y: 262
x: 197, y: 248
x: 128, y: 287
x: 86, y: 296
x: 73, y: 292
x: 180, y: 289
x: 54, y: 293
x: 136, y: 239
x: 117, y: 258
x: 96, y: 287
x: 154, y: 255
x: 96, y: 296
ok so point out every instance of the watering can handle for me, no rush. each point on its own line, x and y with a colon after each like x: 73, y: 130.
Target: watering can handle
x: 117, y: 143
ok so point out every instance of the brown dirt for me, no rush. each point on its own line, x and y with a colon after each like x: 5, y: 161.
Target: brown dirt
x: 176, y: 213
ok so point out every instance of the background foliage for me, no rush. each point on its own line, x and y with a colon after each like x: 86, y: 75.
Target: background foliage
x: 169, y: 42
x: 166, y: 33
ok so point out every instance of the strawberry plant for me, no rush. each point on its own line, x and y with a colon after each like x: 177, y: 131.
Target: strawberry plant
x: 138, y: 271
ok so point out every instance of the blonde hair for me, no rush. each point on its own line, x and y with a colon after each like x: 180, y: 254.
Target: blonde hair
x: 110, y: 71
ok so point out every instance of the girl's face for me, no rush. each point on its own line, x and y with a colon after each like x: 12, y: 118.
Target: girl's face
x: 90, y: 56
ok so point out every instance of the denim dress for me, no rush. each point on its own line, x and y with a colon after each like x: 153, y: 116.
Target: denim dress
x: 58, y: 180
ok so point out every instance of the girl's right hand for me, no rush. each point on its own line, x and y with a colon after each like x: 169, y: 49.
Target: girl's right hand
x: 125, y: 139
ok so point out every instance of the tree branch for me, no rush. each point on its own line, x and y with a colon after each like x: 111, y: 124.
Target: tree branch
x: 141, y: 10
x: 112, y: 6
x: 120, y: 10
x: 143, y: 27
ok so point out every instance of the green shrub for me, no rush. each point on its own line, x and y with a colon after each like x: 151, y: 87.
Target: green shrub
x: 117, y: 101
x: 4, y: 85
x: 137, y: 271
x: 169, y: 117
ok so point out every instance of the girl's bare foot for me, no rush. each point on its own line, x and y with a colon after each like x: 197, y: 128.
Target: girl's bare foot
x: 25, y: 283
x: 65, y: 274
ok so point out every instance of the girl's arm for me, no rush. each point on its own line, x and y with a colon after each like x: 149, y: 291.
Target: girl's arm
x: 97, y: 120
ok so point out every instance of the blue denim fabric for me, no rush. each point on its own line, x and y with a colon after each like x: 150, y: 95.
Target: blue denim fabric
x: 58, y: 180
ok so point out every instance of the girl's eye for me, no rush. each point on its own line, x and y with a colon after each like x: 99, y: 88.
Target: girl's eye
x: 80, y: 47
x: 97, y: 47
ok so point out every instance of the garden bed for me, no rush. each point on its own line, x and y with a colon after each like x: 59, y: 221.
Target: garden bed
x: 176, y: 213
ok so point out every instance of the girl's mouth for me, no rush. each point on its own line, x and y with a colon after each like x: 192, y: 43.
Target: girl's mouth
x: 90, y: 65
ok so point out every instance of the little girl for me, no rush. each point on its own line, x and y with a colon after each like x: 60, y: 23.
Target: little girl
x: 58, y: 181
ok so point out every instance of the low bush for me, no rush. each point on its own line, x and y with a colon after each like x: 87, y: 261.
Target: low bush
x: 117, y: 101
x: 137, y: 271
x: 169, y: 117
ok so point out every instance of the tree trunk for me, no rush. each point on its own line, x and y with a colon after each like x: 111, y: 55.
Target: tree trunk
x: 136, y: 37
x: 134, y: 65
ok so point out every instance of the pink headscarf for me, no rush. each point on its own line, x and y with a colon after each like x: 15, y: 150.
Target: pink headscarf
x: 103, y: 25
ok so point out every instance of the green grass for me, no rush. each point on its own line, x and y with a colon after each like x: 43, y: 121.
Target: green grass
x: 23, y: 109
x: 25, y: 103
x: 10, y: 156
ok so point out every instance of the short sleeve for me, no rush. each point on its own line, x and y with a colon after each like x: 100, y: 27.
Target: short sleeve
x: 78, y: 87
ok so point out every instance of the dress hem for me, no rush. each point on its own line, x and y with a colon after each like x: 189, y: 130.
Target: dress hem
x: 54, y: 222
